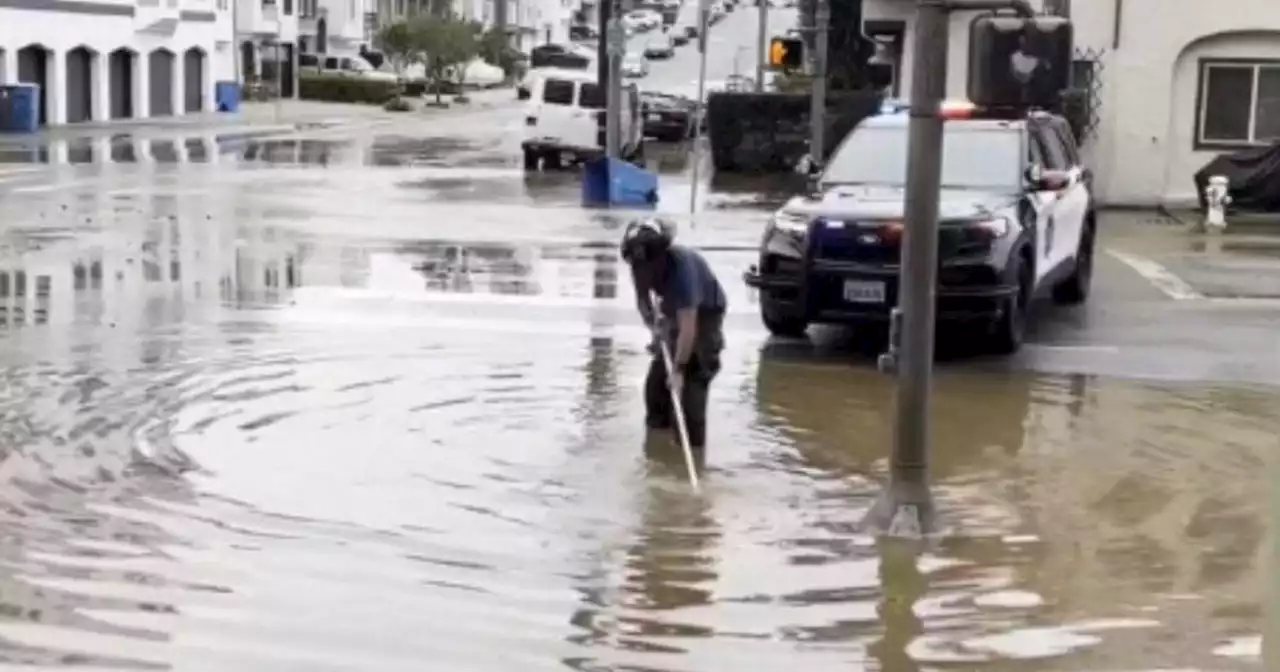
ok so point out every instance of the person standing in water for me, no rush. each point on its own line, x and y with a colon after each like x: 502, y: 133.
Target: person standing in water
x: 689, y: 317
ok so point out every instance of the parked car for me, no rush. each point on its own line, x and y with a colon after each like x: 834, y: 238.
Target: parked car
x: 583, y: 32
x: 634, y: 65
x: 660, y: 47
x: 1017, y: 222
x: 565, y: 120
x: 667, y: 117
x: 478, y: 74
x: 558, y: 56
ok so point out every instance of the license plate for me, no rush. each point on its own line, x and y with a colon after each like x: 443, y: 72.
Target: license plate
x: 858, y: 291
x: 655, y: 117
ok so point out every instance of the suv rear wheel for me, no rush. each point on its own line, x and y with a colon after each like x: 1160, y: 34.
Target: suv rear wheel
x: 1074, y: 289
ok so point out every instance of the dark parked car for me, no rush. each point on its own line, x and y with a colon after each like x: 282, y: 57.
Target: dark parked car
x: 666, y: 117
x: 583, y: 32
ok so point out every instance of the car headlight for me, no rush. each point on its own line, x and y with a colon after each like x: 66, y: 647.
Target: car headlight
x: 791, y: 222
x: 995, y: 227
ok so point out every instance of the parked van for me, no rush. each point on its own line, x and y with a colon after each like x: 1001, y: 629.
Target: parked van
x: 565, y: 121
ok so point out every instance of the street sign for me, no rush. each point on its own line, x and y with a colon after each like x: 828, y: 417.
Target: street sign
x: 615, y: 38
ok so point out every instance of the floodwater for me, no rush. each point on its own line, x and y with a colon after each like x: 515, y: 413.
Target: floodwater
x: 374, y: 404
x: 284, y: 450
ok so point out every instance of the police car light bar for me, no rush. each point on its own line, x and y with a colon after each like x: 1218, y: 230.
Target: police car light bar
x: 951, y: 109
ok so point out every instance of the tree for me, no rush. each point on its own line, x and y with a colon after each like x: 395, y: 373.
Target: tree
x: 396, y: 41
x: 445, y: 43
x: 495, y: 47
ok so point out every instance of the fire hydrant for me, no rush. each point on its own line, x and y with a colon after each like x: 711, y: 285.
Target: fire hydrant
x: 1216, y: 201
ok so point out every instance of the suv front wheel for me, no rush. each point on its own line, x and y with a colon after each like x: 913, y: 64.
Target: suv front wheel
x: 1008, y: 331
x: 784, y: 327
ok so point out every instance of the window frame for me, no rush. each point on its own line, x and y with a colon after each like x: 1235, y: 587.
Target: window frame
x: 1204, y: 65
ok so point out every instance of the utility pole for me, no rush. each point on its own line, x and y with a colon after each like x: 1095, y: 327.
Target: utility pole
x: 906, y: 507
x: 615, y: 39
x: 762, y: 41
x: 700, y: 111
x: 818, y: 100
x: 1271, y: 609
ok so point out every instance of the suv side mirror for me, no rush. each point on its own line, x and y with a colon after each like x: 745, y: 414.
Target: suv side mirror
x: 1039, y: 179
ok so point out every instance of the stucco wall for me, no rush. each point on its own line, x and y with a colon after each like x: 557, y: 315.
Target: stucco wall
x: 1149, y: 85
x: 60, y: 32
x: 1143, y: 149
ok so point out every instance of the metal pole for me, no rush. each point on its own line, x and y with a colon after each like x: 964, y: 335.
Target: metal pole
x: 700, y: 112
x: 613, y: 114
x: 762, y: 42
x: 279, y: 77
x: 818, y: 101
x: 602, y: 42
x: 1271, y: 621
x: 906, y: 509
x: 235, y: 46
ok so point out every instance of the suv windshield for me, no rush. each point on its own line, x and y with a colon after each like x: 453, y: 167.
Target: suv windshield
x: 973, y: 157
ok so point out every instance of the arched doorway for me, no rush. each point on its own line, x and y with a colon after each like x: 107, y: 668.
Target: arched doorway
x: 33, y: 68
x: 120, y: 66
x: 322, y: 36
x: 248, y: 61
x: 193, y: 79
x: 80, y: 85
x: 160, y: 67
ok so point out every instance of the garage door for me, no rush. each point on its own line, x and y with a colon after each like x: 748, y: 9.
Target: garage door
x: 193, y: 80
x: 79, y: 86
x: 160, y: 65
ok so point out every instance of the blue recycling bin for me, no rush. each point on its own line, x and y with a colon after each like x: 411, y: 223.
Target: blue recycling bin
x: 612, y: 182
x: 226, y: 96
x: 19, y: 108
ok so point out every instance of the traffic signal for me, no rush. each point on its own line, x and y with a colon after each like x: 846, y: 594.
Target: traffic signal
x: 786, y: 52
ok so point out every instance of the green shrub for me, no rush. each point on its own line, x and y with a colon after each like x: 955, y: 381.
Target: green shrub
x: 397, y: 105
x: 346, y: 89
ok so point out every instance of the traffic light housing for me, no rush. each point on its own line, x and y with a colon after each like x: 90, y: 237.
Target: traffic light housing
x: 786, y: 53
x: 1019, y: 62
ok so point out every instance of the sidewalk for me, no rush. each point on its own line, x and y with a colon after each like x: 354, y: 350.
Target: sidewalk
x: 1238, y: 223
x: 284, y: 116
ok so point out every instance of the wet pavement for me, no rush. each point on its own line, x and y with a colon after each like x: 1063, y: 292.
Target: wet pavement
x: 282, y: 403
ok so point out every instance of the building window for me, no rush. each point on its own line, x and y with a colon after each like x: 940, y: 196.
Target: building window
x: 1239, y: 103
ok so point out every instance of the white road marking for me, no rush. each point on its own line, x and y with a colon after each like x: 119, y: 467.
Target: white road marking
x: 1162, y: 278
x: 1082, y: 349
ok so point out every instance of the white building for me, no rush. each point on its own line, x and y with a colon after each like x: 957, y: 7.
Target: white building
x: 266, y: 32
x: 1175, y: 83
x: 336, y: 27
x: 98, y: 60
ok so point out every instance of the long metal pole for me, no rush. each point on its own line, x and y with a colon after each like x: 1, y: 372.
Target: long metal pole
x: 818, y: 100
x: 907, y: 507
x: 613, y: 114
x: 700, y: 112
x: 762, y: 43
x: 1271, y: 609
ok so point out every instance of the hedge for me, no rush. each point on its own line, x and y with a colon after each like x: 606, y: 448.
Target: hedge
x: 769, y: 132
x: 345, y: 89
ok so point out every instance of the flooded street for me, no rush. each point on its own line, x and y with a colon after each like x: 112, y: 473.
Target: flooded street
x: 370, y: 399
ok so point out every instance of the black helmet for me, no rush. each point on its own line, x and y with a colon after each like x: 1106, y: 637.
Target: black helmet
x: 645, y: 240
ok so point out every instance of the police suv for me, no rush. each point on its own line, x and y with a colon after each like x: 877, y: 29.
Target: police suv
x: 1017, y: 222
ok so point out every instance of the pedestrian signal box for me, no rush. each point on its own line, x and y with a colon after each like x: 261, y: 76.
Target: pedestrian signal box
x: 1019, y: 62
x: 786, y: 52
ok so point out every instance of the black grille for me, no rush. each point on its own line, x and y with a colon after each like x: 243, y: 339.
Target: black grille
x: 851, y: 243
x: 868, y: 246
